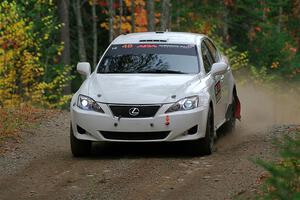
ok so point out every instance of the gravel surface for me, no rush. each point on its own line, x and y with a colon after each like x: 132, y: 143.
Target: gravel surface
x: 41, y: 165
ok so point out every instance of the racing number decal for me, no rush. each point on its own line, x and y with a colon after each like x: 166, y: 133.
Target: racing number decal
x: 218, y: 91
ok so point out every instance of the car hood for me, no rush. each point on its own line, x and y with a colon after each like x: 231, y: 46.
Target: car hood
x: 140, y: 88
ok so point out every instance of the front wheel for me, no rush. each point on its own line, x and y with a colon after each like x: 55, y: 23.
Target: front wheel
x: 204, y: 146
x: 79, y: 148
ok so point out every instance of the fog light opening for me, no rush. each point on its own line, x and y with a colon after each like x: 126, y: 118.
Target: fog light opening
x: 193, y: 130
x: 80, y: 130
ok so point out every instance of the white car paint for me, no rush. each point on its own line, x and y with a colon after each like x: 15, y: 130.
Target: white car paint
x: 157, y: 89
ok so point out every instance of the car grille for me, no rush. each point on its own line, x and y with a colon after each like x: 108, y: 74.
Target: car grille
x: 135, y: 135
x: 144, y: 111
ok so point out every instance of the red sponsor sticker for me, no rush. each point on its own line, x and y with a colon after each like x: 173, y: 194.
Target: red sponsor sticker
x: 147, y: 46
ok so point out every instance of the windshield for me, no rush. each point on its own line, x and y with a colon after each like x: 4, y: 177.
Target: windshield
x: 150, y: 58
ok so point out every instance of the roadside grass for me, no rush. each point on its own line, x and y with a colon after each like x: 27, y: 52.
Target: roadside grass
x: 282, y: 180
x: 281, y: 177
x: 14, y: 120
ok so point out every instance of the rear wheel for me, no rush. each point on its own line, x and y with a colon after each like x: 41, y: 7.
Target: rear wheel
x: 204, y: 146
x: 79, y: 147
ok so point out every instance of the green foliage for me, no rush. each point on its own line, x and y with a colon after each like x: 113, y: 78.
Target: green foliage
x: 273, y: 49
x: 262, y: 36
x: 238, y: 60
x: 261, y: 75
x: 19, y: 60
x: 266, y: 30
x: 28, y: 72
x: 284, y: 180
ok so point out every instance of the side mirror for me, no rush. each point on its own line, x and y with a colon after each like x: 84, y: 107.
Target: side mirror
x: 219, y: 68
x: 84, y: 68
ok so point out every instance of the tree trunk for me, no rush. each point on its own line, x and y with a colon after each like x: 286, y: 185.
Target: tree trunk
x: 225, y: 23
x: 63, y: 10
x: 95, y: 36
x: 298, y: 7
x: 264, y: 16
x: 170, y: 18
x: 178, y: 14
x: 81, y: 43
x: 121, y: 15
x: 132, y: 16
x: 150, y: 17
x: 165, y: 16
x: 279, y: 20
x: 111, y: 20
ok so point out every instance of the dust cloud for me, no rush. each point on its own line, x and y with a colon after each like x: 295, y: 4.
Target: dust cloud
x: 263, y: 107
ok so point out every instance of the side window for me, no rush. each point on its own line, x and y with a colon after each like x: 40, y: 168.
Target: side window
x: 206, y: 57
x: 213, y: 50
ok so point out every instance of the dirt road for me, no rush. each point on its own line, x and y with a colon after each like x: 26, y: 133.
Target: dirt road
x: 41, y: 166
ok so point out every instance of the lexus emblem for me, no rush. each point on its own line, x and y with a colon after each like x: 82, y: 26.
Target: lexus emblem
x: 134, y: 111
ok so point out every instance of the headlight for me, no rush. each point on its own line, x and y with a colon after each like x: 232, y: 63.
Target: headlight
x: 188, y: 103
x: 87, y: 103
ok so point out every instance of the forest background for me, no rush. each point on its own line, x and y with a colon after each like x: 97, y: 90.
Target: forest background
x: 41, y: 41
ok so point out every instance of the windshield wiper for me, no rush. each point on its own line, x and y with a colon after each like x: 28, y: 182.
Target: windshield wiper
x: 161, y: 71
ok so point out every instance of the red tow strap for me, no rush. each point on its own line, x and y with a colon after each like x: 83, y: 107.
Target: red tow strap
x: 237, y: 113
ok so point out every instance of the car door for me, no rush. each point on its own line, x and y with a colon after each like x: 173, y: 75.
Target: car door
x: 208, y: 62
x: 223, y: 85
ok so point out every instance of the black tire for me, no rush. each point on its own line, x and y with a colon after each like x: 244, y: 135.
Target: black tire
x: 79, y: 148
x: 205, y: 146
x: 229, y: 126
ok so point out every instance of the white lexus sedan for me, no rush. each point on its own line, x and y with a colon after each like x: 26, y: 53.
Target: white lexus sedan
x: 155, y: 87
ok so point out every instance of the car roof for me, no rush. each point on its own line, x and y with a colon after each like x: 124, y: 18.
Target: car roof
x: 161, y: 37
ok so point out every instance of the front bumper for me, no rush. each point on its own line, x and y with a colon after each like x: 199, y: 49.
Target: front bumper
x: 98, y: 125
